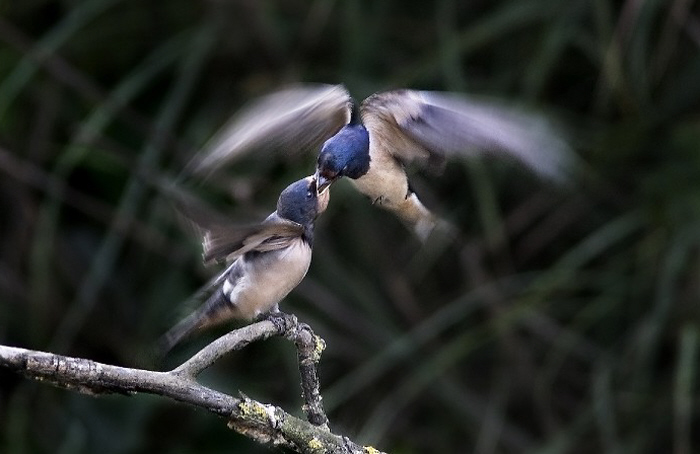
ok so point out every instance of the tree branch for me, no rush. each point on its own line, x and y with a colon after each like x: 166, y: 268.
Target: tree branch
x: 234, y: 340
x: 261, y: 422
x: 309, y: 349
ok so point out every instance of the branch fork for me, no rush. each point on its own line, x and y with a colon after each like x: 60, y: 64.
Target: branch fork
x: 265, y: 423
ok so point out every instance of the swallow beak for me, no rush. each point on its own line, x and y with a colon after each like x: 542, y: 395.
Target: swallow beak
x: 322, y: 202
x: 322, y: 183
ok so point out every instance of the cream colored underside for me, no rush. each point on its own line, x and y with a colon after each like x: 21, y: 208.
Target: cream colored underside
x: 268, y: 278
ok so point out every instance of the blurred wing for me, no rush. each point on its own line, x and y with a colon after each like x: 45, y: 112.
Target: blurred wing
x: 224, y: 240
x: 292, y: 120
x: 435, y: 125
x: 230, y: 241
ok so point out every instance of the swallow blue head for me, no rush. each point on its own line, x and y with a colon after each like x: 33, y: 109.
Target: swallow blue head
x: 299, y: 202
x: 346, y: 154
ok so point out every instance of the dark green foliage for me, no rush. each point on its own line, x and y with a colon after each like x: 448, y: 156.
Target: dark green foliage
x: 562, y: 319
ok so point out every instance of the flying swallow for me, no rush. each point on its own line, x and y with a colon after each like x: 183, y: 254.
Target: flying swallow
x: 269, y: 260
x: 371, y: 144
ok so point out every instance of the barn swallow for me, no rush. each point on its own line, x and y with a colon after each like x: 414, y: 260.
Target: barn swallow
x: 371, y: 144
x: 268, y: 261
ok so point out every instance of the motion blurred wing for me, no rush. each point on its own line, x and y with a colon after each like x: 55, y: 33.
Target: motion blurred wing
x: 291, y: 120
x: 437, y: 125
x: 226, y: 242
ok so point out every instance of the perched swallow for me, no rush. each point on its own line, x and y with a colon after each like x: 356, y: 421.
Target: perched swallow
x: 373, y: 143
x: 269, y: 261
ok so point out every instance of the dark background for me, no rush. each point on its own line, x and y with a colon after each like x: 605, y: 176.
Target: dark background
x: 563, y: 319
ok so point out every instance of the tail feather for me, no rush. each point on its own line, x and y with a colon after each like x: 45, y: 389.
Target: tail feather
x: 417, y: 216
x: 215, y: 310
x: 177, y: 333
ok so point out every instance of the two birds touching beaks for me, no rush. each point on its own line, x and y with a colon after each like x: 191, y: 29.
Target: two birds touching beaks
x: 371, y: 145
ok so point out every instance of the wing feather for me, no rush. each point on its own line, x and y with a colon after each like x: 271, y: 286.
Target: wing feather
x: 292, y: 120
x: 436, y: 125
x: 226, y: 242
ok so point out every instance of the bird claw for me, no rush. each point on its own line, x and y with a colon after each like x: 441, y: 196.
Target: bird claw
x: 282, y: 321
x: 379, y: 200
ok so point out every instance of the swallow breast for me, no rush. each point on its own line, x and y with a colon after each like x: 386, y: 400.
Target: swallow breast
x: 268, y: 277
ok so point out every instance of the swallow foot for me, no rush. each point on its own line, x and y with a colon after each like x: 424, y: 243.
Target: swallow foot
x: 379, y: 200
x: 283, y: 322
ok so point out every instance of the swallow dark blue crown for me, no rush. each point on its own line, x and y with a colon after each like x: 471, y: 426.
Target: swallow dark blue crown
x: 298, y: 202
x: 346, y: 153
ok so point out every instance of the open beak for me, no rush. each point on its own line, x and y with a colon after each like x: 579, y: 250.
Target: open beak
x: 322, y: 183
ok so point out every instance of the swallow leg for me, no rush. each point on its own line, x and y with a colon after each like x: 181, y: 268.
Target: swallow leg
x: 281, y: 320
x: 379, y: 200
x: 415, y: 214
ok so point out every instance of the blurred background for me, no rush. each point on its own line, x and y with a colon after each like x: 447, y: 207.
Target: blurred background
x: 562, y: 319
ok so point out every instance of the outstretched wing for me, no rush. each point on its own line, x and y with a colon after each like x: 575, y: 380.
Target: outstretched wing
x: 292, y: 120
x: 427, y: 127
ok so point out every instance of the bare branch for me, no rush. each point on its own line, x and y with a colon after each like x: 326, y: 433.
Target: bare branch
x: 234, y: 340
x: 264, y: 423
x: 309, y: 349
